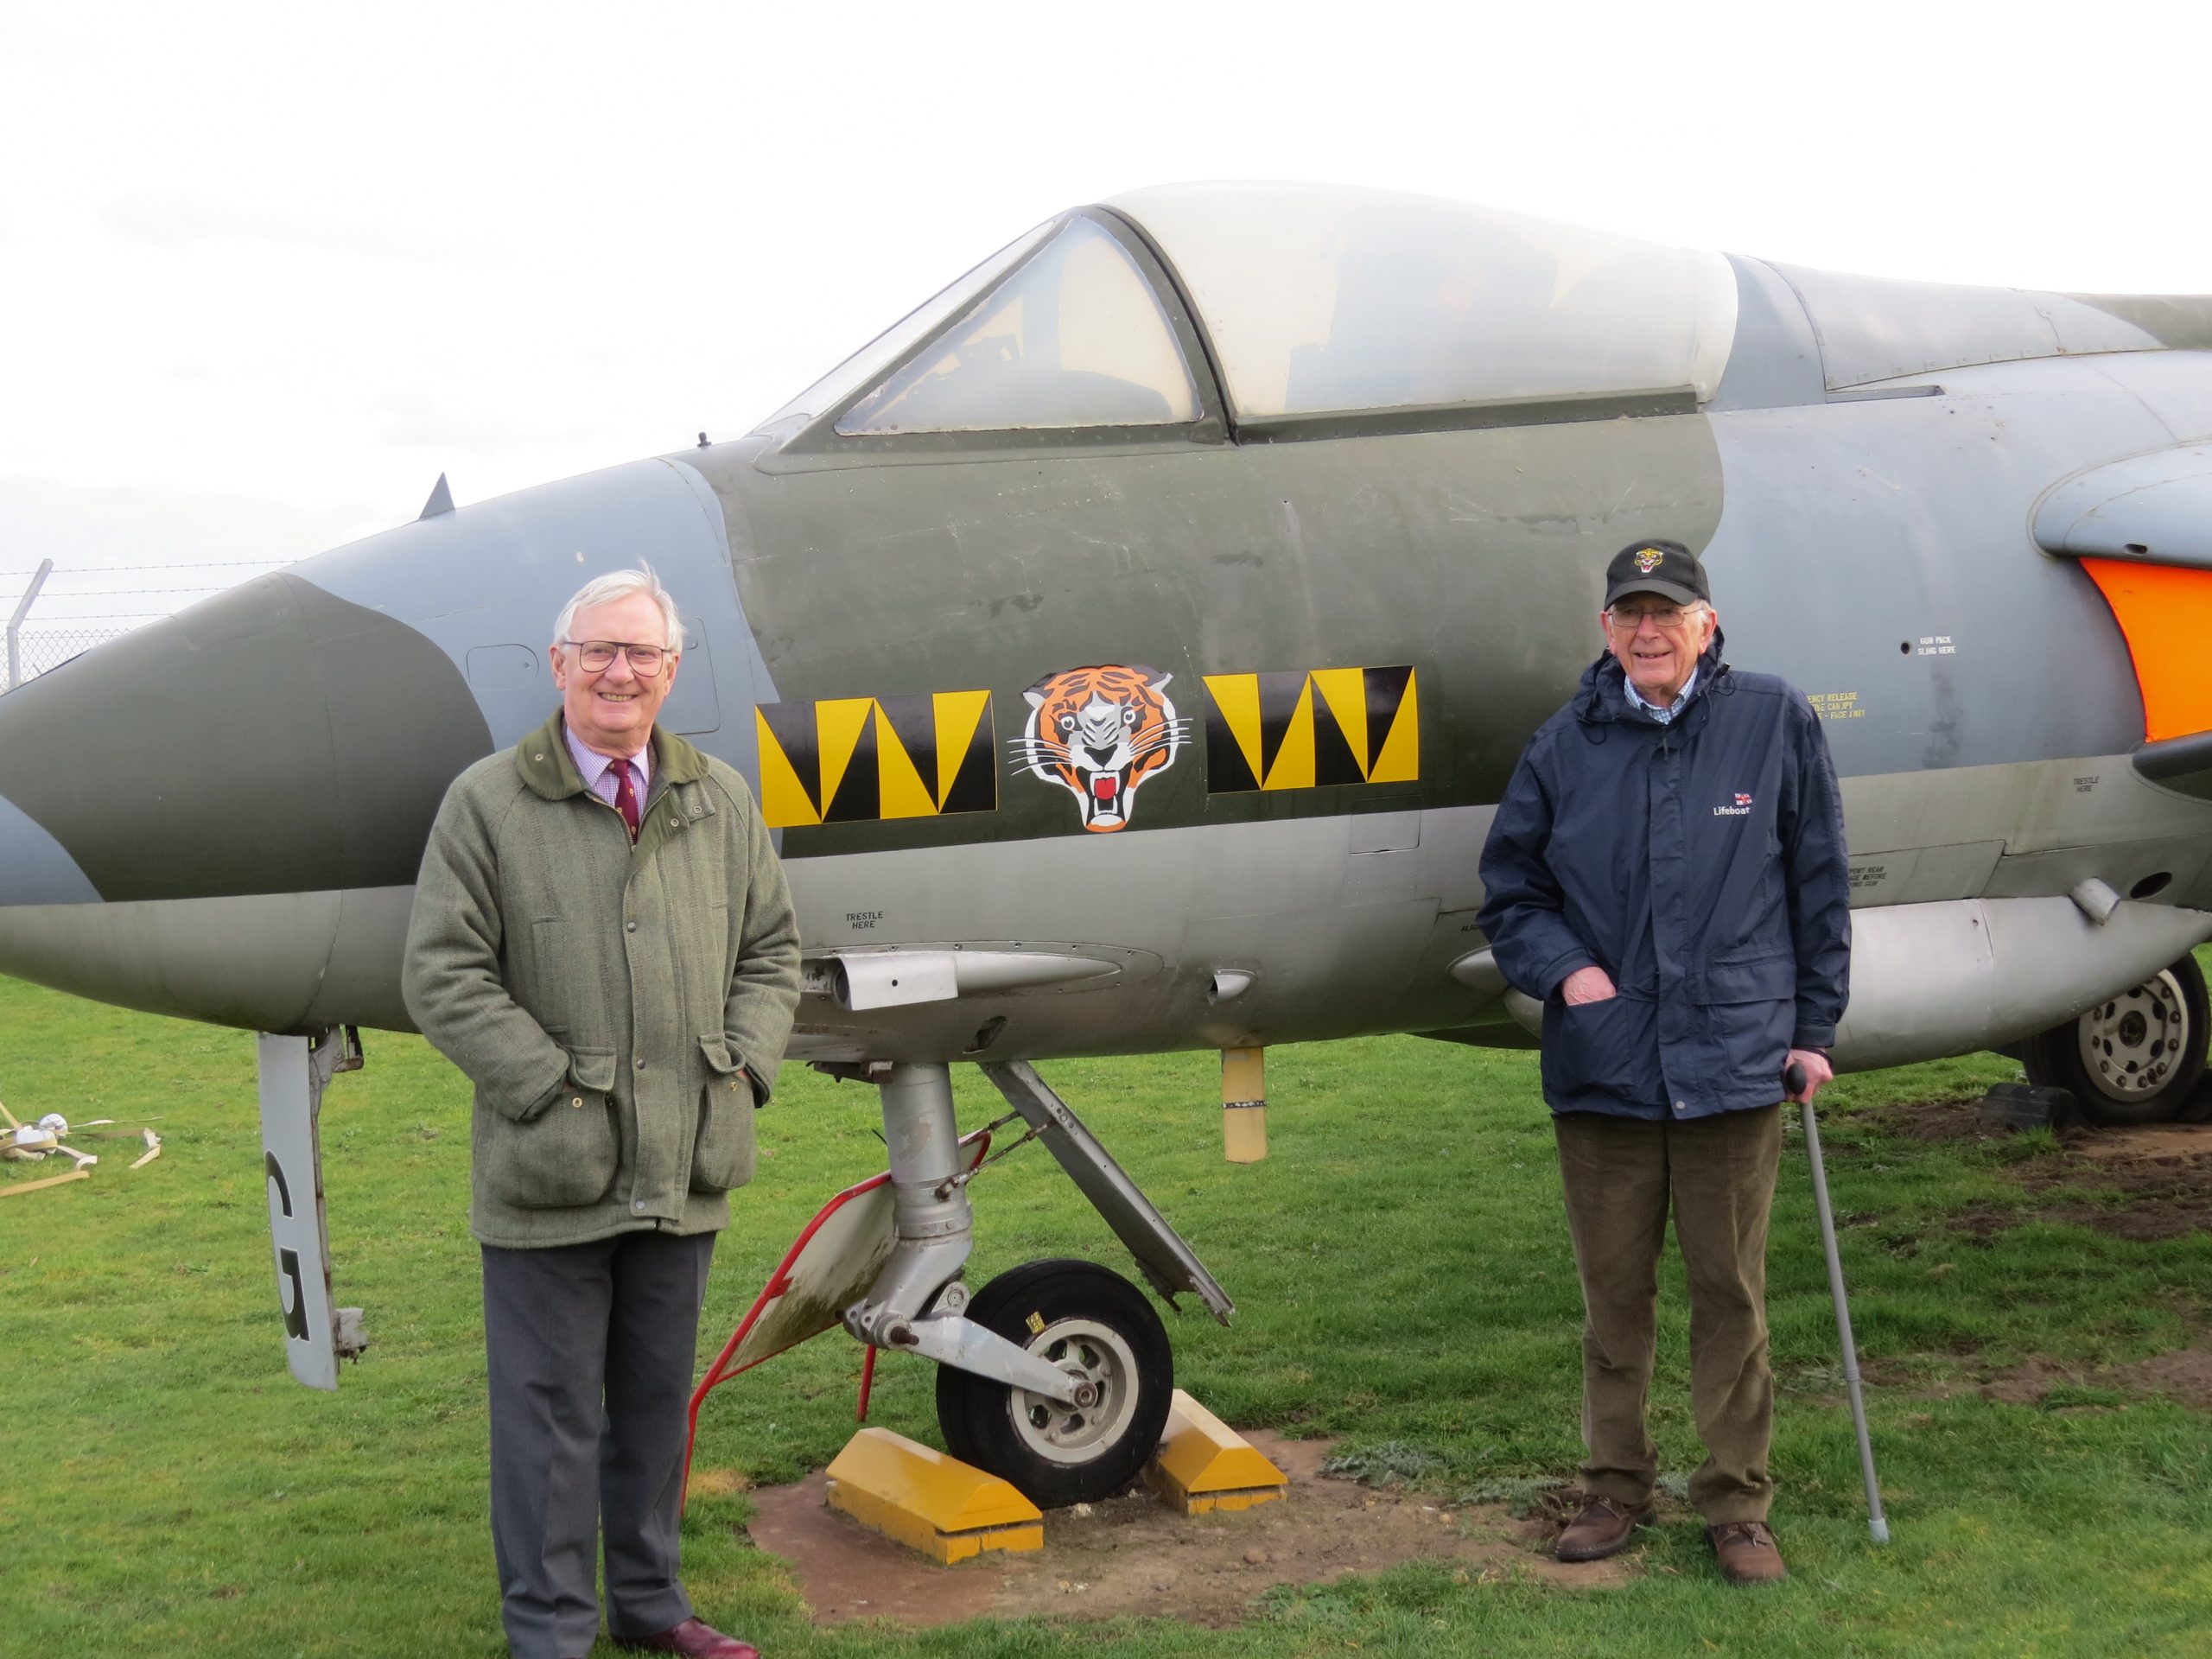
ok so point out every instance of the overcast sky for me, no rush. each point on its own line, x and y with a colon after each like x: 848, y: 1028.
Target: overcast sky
x: 268, y: 271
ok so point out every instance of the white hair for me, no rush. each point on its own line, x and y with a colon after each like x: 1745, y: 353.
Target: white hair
x: 621, y: 584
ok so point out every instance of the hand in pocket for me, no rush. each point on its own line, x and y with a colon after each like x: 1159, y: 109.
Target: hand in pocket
x: 1592, y: 984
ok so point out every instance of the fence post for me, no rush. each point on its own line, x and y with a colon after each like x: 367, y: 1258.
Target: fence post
x: 16, y: 625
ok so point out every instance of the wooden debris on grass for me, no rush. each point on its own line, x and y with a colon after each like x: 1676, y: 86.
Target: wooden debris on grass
x: 15, y: 1188
x: 28, y: 1146
x: 36, y: 1142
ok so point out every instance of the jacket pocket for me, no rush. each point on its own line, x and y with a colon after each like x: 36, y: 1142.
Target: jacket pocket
x: 569, y: 1153
x: 1766, y: 978
x: 536, y: 957
x: 1605, y: 1050
x: 721, y: 1157
x: 1747, y: 1044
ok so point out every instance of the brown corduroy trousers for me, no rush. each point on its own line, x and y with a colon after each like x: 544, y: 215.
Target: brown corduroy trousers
x: 1718, y: 1172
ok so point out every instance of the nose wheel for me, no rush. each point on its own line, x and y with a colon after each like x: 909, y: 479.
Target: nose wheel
x: 1100, y: 1330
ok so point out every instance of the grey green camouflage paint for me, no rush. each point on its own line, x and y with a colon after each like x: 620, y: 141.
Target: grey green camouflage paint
x: 274, y: 739
x: 220, y: 816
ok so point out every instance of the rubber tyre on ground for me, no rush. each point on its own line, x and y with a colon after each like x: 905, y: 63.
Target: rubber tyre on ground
x: 1072, y: 1313
x: 2135, y: 1058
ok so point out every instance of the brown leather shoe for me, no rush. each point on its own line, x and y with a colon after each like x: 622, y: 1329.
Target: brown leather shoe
x: 694, y: 1638
x: 1600, y: 1528
x: 1747, y: 1552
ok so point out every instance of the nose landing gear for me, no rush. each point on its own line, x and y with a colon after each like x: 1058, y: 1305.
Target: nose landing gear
x: 1058, y: 1376
x: 1095, y: 1327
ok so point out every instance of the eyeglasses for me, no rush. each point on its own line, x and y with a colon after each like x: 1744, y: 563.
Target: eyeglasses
x: 595, y: 655
x: 1629, y: 619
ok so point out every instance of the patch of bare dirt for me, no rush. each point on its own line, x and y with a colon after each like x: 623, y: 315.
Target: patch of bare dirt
x: 1937, y: 1119
x: 2157, y: 1180
x: 2149, y: 1183
x: 2183, y: 1375
x: 2029, y: 1382
x: 1981, y: 1222
x: 1134, y: 1555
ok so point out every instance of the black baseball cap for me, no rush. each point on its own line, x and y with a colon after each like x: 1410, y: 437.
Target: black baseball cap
x: 1667, y: 568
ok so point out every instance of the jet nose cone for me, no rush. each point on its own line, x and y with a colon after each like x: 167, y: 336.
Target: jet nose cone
x: 46, y: 898
x: 35, y: 867
x: 187, y: 812
x: 274, y: 740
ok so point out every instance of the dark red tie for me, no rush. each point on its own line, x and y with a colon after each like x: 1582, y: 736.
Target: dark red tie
x: 625, y: 798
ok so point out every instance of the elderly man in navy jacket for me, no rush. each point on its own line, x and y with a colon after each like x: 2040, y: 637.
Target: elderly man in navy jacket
x: 1666, y: 873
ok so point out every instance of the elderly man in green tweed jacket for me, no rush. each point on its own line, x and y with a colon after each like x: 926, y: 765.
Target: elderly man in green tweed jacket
x: 603, y: 941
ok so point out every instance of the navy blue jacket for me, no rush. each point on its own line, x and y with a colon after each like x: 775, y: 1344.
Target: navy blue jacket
x: 1701, y: 865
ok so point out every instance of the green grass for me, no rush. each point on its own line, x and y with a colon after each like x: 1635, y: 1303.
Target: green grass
x: 1403, y: 1280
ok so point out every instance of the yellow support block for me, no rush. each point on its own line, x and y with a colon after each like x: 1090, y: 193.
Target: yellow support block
x: 1204, y: 1465
x: 928, y: 1501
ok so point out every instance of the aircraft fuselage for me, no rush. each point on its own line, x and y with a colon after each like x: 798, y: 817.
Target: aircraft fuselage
x: 1177, y: 740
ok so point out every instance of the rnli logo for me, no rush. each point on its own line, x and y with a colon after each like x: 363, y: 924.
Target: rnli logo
x: 1742, y: 809
x: 1647, y: 559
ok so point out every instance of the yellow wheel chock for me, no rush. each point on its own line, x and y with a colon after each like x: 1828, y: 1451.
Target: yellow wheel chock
x: 929, y: 1501
x: 1203, y: 1465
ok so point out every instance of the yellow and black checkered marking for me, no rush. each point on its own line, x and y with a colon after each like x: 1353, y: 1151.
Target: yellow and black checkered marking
x: 859, y: 759
x: 1299, y: 731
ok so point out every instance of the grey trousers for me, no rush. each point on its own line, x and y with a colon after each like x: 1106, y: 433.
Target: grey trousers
x: 590, y: 1350
x: 1620, y: 1174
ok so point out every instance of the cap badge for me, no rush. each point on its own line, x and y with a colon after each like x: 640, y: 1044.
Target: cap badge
x: 1647, y: 559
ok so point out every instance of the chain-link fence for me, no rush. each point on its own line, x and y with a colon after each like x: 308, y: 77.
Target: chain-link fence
x: 40, y: 649
x: 98, y: 604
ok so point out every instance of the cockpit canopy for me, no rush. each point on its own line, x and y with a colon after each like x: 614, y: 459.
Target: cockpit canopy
x: 1321, y: 300
x: 1279, y: 306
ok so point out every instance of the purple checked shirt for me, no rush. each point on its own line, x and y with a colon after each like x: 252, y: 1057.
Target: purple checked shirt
x: 598, y: 771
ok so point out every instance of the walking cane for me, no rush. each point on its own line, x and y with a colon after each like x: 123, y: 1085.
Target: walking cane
x: 1793, y: 1084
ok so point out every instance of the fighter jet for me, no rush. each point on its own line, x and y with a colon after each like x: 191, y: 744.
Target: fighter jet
x: 1130, y: 646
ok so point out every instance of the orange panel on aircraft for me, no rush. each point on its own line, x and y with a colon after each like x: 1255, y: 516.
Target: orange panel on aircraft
x: 2166, y: 614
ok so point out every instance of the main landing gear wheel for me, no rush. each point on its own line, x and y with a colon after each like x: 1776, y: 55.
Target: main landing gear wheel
x: 1094, y: 1323
x: 2135, y: 1058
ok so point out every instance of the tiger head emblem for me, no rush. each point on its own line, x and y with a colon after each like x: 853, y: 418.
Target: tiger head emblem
x: 1100, y: 733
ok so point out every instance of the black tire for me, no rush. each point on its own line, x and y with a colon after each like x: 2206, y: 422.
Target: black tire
x: 2135, y: 1058
x: 1070, y: 1312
